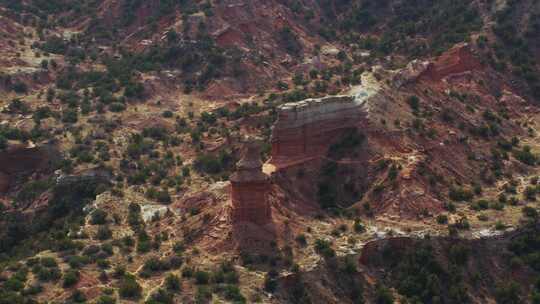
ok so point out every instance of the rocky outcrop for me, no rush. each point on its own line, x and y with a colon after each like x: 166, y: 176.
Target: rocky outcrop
x: 22, y: 161
x: 306, y: 129
x: 458, y: 60
x: 249, y: 189
x: 410, y: 73
x: 90, y: 176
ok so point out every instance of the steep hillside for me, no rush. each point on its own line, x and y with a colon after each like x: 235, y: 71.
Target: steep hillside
x: 399, y: 145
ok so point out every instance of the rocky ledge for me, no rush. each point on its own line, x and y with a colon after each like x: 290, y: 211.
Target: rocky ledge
x: 306, y: 129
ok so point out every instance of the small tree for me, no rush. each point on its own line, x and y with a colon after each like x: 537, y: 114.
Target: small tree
x: 202, y: 277
x: 172, y: 282
x: 414, y: 103
x: 71, y: 277
x: 98, y: 217
x: 383, y: 295
x: 103, y: 233
x: 508, y: 293
x: 129, y: 287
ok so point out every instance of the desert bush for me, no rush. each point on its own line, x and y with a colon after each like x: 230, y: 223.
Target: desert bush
x: 129, y: 288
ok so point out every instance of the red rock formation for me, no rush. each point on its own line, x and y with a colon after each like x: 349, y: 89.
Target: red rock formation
x: 306, y: 129
x: 457, y: 60
x: 20, y: 161
x: 249, y: 189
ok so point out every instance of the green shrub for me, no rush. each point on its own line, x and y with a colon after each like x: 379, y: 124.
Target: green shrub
x: 383, y: 295
x: 163, y: 197
x: 70, y: 116
x: 129, y: 287
x: 71, y: 277
x: 530, y: 193
x: 232, y: 293
x: 301, y: 239
x: 202, y: 277
x: 105, y: 299
x: 500, y: 225
x: 19, y: 87
x: 49, y: 274
x: 3, y: 142
x: 154, y: 264
x: 414, y: 103
x: 173, y: 283
x: 18, y: 106
x: 203, y: 294
x: 459, y: 194
x: 14, y: 284
x: 526, y: 156
x: 178, y: 247
x: 289, y: 41
x: 508, y: 293
x: 359, y: 226
x: 48, y: 262
x: 187, y: 272
x: 324, y: 248
x: 103, y: 233
x: 462, y: 224
x: 213, y: 164
x: 271, y: 282
x: 161, y: 296
x: 442, y: 219
x: 77, y: 261
x: 78, y: 297
x: 530, y: 212
x: 98, y: 217
x: 117, y: 107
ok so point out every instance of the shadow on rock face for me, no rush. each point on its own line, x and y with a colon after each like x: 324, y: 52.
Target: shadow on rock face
x: 4, y: 182
x: 19, y: 162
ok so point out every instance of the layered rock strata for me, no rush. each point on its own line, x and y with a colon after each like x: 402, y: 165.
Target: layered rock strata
x: 306, y: 129
x: 249, y: 189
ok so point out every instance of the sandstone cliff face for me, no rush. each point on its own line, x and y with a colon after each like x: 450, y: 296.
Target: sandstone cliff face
x: 306, y: 129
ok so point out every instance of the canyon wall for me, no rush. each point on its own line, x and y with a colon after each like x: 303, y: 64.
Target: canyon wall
x: 306, y: 129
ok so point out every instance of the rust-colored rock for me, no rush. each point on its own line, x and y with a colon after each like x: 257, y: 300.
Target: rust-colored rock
x: 249, y: 189
x: 306, y: 129
x: 457, y: 60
